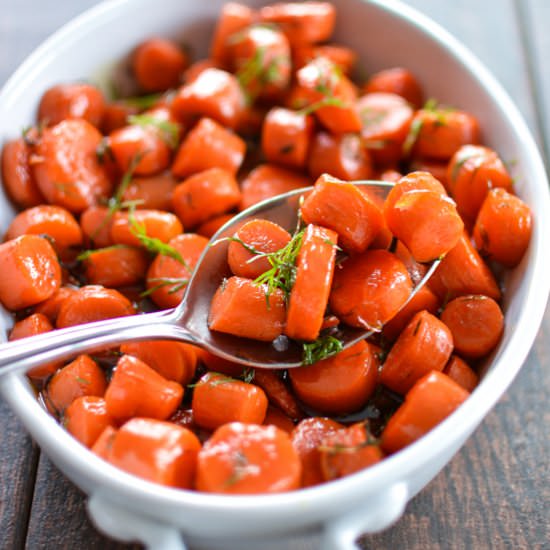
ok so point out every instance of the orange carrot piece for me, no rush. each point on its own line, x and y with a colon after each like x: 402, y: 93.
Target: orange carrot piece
x: 277, y: 392
x: 74, y: 100
x: 86, y: 418
x: 342, y: 207
x: 212, y: 93
x: 95, y: 223
x: 248, y: 459
x: 67, y: 169
x: 261, y: 235
x: 209, y: 145
x: 370, y: 289
x: 210, y: 227
x: 174, y: 361
x: 306, y: 438
x: 115, y: 115
x: 205, y: 195
x: 266, y: 181
x: 386, y: 120
x: 275, y: 417
x: 152, y: 192
x: 30, y: 272
x: 50, y: 307
x: 138, y: 390
x: 476, y: 322
x: 83, y: 376
x: 104, y: 442
x: 425, y: 345
x: 437, y: 168
x: 396, y: 81
x: 344, y: 58
x: 167, y: 278
x: 286, y: 137
x: 310, y: 292
x: 218, y: 400
x: 458, y: 370
x: 17, y: 175
x: 503, y: 228
x: 93, y: 303
x: 339, y: 384
x: 347, y: 451
x: 241, y: 308
x: 154, y: 450
x: 341, y: 156
x: 156, y: 224
x: 434, y: 397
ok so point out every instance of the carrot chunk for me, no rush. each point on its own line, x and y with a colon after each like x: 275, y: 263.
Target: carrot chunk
x: 396, y: 81
x: 458, y: 370
x: 86, y: 418
x: 156, y: 224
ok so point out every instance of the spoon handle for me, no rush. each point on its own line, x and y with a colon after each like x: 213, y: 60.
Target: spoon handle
x: 22, y: 355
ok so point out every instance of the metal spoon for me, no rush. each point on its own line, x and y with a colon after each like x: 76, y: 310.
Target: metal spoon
x: 189, y: 321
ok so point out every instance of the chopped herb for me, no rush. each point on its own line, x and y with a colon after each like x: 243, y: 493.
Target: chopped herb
x: 248, y: 375
x: 430, y: 105
x: 176, y: 283
x: 240, y: 468
x: 83, y: 256
x: 104, y: 151
x: 142, y: 102
x: 322, y: 348
x: 82, y: 380
x: 325, y: 102
x: 463, y: 157
x: 168, y: 131
x: 412, y: 136
x: 286, y: 149
x: 370, y: 117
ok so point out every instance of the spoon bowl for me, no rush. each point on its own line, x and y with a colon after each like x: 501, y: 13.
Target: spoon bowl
x: 188, y: 322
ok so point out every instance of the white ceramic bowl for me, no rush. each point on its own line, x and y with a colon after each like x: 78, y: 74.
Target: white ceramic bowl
x: 385, y: 33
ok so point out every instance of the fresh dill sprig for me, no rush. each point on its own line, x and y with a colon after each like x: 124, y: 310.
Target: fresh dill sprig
x: 83, y: 256
x: 176, y: 283
x: 168, y: 131
x: 142, y: 102
x: 322, y: 348
x: 327, y: 101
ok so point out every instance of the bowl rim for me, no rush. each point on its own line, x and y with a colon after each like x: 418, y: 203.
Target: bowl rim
x: 484, y: 397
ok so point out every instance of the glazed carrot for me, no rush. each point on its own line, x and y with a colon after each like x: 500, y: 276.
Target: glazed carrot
x: 93, y: 303
x: 104, y: 442
x: 95, y: 223
x: 54, y: 221
x: 434, y: 397
x: 153, y: 192
x: 370, y: 289
x: 138, y: 390
x: 503, y: 228
x: 343, y: 208
x: 86, y: 418
x: 174, y: 361
x: 275, y: 417
x: 262, y: 236
x: 339, y: 384
x: 423, y: 299
x: 17, y: 175
x: 205, y: 195
x: 396, y: 81
x: 277, y: 392
x: 472, y: 172
x: 83, y: 376
x: 196, y: 68
x: 158, y: 64
x: 437, y: 168
x: 414, y: 181
x: 306, y: 438
x: 458, y: 370
x: 303, y: 23
x: 115, y: 266
x: 30, y: 271
x: 286, y: 137
x: 310, y: 292
x: 248, y: 459
x: 476, y: 322
x: 344, y: 58
x: 347, y: 451
x: 341, y: 156
x: 213, y: 93
x: 210, y: 227
x: 462, y: 271
x: 67, y: 169
x: 50, y: 307
x: 439, y: 132
x: 330, y: 95
x: 233, y: 18
x: 209, y: 145
x: 424, y: 345
x: 156, y: 224
x: 267, y: 181
x: 36, y: 323
x: 218, y: 400
x: 260, y: 57
x: 241, y: 308
x: 252, y: 120
x: 416, y: 270
x: 426, y: 222
x: 167, y: 277
x: 385, y: 123
x: 75, y: 100
x: 144, y: 143
x: 115, y: 115
x: 157, y: 451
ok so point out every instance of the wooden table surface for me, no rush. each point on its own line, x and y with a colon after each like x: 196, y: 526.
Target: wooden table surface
x: 495, y: 493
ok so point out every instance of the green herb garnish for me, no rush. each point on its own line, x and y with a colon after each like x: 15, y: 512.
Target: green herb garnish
x: 322, y: 348
x: 83, y: 256
x: 168, y: 131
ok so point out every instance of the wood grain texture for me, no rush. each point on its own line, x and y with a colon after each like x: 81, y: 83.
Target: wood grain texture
x: 495, y: 492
